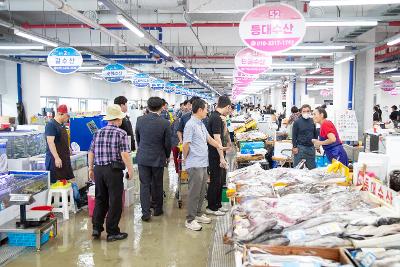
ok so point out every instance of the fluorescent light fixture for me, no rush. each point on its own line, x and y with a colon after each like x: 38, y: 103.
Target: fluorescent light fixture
x: 279, y: 73
x: 163, y: 51
x: 289, y: 63
x: 351, y: 2
x: 345, y: 59
x: 394, y: 40
x: 21, y: 47
x: 314, y: 71
x: 376, y: 82
x: 395, y: 76
x: 179, y: 64
x: 35, y: 38
x: 339, y: 23
x: 130, y: 26
x: 388, y: 70
x: 319, y: 47
x: 96, y: 78
x: 288, y: 67
x: 304, y: 54
x: 91, y: 68
x: 316, y: 77
x: 190, y: 72
x: 227, y: 77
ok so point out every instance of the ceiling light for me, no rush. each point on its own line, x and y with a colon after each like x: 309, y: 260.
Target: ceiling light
x: 35, y: 38
x: 319, y: 47
x: 96, y: 78
x: 345, y: 59
x: 179, y: 64
x: 91, y: 68
x: 351, y: 2
x: 21, y: 47
x: 288, y: 67
x: 395, y: 76
x: 341, y: 23
x: 394, y: 40
x: 378, y: 81
x: 304, y: 54
x: 130, y: 26
x: 162, y: 50
x: 227, y: 77
x: 388, y: 70
x: 279, y: 73
x: 289, y: 63
x: 314, y: 71
x: 316, y: 77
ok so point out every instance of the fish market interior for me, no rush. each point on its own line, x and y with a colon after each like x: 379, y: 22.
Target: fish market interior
x: 203, y: 133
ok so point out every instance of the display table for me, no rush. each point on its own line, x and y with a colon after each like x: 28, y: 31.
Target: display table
x: 10, y: 227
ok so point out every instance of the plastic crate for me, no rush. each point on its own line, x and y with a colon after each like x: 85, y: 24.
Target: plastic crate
x: 321, y: 161
x: 27, y: 239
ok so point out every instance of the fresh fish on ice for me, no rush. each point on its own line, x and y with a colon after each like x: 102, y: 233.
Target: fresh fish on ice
x: 329, y: 242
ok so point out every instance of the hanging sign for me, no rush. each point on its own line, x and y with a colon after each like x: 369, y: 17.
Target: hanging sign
x: 272, y: 28
x: 140, y: 80
x: 64, y: 60
x: 114, y: 73
x: 388, y: 85
x: 326, y: 93
x: 252, y: 62
x: 178, y: 90
x: 157, y: 84
x: 243, y: 78
x: 169, y: 88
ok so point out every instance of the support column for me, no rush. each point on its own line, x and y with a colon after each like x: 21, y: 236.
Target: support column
x: 341, y: 86
x: 30, y: 82
x: 364, y: 85
x: 276, y: 96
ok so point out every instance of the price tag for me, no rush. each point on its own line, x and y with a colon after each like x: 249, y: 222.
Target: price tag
x: 296, y: 235
x: 368, y: 259
x: 329, y: 228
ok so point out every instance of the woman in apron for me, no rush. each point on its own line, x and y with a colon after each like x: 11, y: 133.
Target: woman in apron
x: 329, y: 138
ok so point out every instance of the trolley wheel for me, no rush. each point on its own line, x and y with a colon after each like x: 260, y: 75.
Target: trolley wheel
x: 180, y: 204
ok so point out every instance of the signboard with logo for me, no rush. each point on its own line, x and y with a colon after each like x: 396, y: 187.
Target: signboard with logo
x: 243, y: 78
x: 178, y: 90
x: 252, y: 62
x: 169, y: 88
x: 141, y: 80
x: 64, y: 60
x: 157, y: 84
x: 388, y: 85
x: 272, y: 28
x: 114, y: 73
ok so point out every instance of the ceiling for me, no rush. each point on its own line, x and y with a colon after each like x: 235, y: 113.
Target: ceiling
x: 202, y: 34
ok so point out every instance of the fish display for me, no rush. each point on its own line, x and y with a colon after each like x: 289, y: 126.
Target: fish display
x: 384, y: 258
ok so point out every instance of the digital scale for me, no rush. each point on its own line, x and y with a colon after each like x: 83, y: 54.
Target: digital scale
x: 30, y: 218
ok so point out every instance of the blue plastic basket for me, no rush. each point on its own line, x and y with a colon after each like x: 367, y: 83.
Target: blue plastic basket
x: 321, y: 161
x: 27, y: 239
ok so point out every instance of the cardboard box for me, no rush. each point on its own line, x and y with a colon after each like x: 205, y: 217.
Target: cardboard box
x: 335, y: 254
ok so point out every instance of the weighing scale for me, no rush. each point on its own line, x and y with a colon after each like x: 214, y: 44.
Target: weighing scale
x: 31, y: 218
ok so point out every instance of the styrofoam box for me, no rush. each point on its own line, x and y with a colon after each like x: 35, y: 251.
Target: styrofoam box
x: 81, y: 177
x: 129, y: 197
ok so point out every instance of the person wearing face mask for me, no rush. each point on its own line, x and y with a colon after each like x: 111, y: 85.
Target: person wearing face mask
x: 304, y: 131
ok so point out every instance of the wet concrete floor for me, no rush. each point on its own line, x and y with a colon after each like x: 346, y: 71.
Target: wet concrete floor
x: 162, y: 242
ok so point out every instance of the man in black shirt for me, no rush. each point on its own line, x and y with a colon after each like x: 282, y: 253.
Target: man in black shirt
x: 304, y: 131
x: 126, y: 123
x: 216, y: 157
x: 394, y: 116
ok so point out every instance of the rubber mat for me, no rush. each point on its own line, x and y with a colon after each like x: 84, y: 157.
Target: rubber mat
x: 221, y: 255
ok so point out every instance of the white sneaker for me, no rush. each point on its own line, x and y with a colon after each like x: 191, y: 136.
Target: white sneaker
x: 203, y: 219
x: 224, y: 209
x: 193, y: 225
x: 216, y: 213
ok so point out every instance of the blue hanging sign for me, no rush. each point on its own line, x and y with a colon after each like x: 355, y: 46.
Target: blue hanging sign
x: 157, y: 84
x: 64, y: 60
x: 179, y: 90
x: 169, y: 88
x: 114, y: 73
x: 141, y: 80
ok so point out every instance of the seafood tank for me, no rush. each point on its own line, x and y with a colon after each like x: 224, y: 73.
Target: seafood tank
x: 24, y: 144
x: 16, y: 182
x: 79, y: 160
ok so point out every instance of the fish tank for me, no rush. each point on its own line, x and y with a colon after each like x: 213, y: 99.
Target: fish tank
x: 22, y: 182
x: 24, y: 144
x: 79, y: 160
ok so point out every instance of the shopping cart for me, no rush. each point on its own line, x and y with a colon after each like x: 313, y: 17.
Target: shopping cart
x: 182, y: 179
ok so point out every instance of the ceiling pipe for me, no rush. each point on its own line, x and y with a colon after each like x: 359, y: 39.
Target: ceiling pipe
x: 67, y: 9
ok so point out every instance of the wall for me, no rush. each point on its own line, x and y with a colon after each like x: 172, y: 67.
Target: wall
x: 8, y: 88
x: 385, y: 100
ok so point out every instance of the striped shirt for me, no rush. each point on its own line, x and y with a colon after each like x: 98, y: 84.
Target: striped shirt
x: 107, y: 145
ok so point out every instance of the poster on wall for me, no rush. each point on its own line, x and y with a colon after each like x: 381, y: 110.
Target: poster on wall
x: 64, y: 60
x: 141, y: 80
x: 252, y: 62
x: 347, y: 125
x: 272, y: 28
x: 157, y: 84
x: 114, y: 73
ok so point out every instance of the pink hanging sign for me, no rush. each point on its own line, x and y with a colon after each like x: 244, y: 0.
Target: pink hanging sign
x: 272, y: 28
x: 243, y: 78
x: 252, y: 62
x: 388, y: 85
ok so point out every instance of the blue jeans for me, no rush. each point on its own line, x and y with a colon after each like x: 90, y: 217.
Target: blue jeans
x: 307, y: 153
